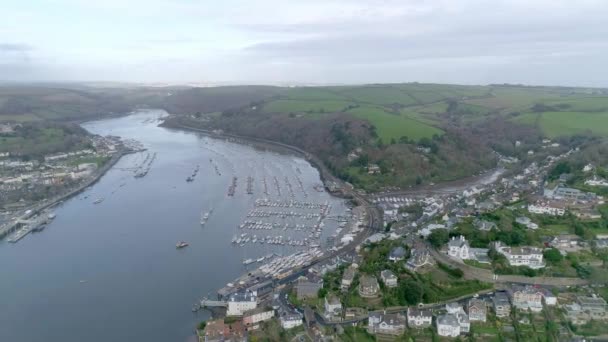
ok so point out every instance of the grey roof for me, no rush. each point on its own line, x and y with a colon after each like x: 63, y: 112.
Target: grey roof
x: 412, y: 311
x: 242, y: 297
x: 475, y: 302
x: 500, y: 298
x: 448, y: 319
x: 398, y: 252
x: 368, y: 281
x: 387, y: 274
x: 457, y: 241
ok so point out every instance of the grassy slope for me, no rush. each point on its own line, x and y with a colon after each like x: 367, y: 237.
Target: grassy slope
x: 393, y: 126
x: 375, y: 103
x: 555, y: 124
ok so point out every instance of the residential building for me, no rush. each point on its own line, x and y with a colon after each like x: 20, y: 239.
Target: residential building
x: 526, y: 221
x: 291, y: 320
x: 308, y: 287
x: 390, y: 324
x: 463, y: 319
x: 240, y: 302
x: 546, y: 209
x: 527, y: 298
x: 368, y: 286
x: 502, y: 307
x: 565, y: 242
x: 418, y: 258
x: 477, y: 310
x: 333, y: 306
x: 447, y: 325
x: 484, y: 225
x: 388, y: 278
x: 419, y: 318
x: 458, y: 247
x: 397, y: 254
x: 261, y: 289
x: 595, y: 181
x: 522, y: 256
x: 253, y: 317
x: 595, y: 307
x: 348, y: 276
x: 373, y: 169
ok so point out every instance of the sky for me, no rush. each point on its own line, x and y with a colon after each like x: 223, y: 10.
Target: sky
x: 537, y: 42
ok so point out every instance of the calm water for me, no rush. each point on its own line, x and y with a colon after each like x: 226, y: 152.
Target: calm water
x: 111, y: 272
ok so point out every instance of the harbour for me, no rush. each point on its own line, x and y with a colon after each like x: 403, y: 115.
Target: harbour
x: 122, y: 254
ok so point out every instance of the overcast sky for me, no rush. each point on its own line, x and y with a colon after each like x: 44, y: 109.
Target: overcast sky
x: 553, y: 42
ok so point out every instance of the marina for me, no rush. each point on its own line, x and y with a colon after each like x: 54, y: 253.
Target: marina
x: 132, y: 238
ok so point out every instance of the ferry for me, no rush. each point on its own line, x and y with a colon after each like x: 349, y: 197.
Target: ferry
x: 181, y: 244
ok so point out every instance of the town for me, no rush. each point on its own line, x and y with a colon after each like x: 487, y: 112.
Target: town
x: 30, y: 187
x: 520, y: 257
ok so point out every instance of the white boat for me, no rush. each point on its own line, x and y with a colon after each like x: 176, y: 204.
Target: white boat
x: 247, y: 262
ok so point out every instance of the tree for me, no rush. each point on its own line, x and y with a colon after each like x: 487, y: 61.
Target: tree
x: 202, y: 325
x: 322, y: 292
x: 553, y: 256
x: 439, y: 237
x: 412, y: 292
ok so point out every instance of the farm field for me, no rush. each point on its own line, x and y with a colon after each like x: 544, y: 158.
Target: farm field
x: 319, y: 106
x: 554, y: 124
x: 393, y: 126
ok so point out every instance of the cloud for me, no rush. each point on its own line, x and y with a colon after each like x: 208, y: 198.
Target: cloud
x: 462, y: 41
x: 10, y: 47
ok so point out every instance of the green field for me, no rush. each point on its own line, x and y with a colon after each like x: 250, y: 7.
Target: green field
x: 393, y: 126
x: 380, y: 95
x: 318, y: 106
x: 555, y: 124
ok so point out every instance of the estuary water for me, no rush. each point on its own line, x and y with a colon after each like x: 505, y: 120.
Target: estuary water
x: 111, y: 271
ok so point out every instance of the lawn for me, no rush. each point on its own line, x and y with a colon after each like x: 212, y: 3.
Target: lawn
x: 393, y: 126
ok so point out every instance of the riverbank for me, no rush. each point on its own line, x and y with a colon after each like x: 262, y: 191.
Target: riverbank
x: 39, y: 207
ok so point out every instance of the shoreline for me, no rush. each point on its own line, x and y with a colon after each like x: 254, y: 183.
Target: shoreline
x: 39, y: 207
x: 276, y: 146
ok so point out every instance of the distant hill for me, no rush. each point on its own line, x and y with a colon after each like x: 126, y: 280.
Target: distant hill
x: 416, y: 133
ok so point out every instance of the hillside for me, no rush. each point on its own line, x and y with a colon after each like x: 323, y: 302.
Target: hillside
x: 415, y: 133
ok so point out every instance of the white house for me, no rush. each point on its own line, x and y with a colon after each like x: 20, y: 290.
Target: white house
x: 522, y: 256
x: 333, y: 307
x: 240, y: 302
x: 458, y: 247
x: 546, y: 209
x: 461, y: 316
x: 255, y: 316
x: 291, y: 321
x: 447, y: 325
x: 388, y: 278
x: 419, y: 318
x: 595, y: 181
x: 391, y: 324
